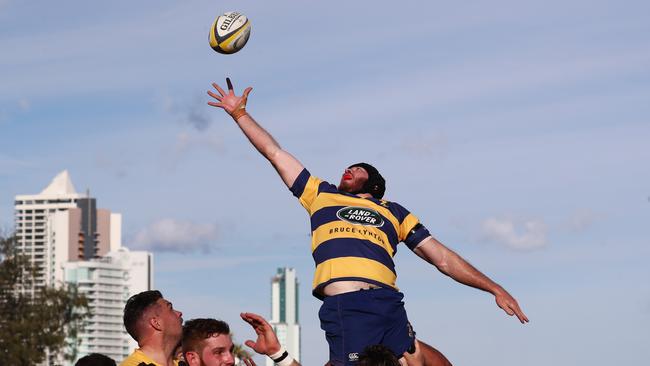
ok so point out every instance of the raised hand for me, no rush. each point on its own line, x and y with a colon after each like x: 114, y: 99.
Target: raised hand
x: 267, y: 342
x: 234, y: 105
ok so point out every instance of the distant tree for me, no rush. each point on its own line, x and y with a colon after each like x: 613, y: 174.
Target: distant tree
x: 240, y: 354
x: 33, y: 322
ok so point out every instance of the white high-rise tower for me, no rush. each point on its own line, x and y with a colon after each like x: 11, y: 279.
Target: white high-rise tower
x: 60, y: 225
x: 107, y: 283
x: 284, y: 311
x: 68, y: 239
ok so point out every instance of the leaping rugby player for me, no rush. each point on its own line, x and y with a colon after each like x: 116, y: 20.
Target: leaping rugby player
x: 355, y: 233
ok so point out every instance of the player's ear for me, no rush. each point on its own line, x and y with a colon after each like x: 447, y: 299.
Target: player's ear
x: 155, y: 323
x: 192, y: 358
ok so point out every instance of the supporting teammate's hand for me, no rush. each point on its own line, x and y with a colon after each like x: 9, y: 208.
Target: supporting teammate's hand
x: 232, y: 104
x: 267, y: 342
x: 508, y: 303
x: 413, y: 359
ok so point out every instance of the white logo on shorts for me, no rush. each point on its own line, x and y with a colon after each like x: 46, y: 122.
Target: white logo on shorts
x: 354, y: 356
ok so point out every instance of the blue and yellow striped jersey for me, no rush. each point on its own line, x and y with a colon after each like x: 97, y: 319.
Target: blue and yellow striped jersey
x: 354, y: 238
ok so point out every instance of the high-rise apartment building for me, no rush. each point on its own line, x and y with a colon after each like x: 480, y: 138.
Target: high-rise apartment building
x: 60, y: 225
x: 107, y: 283
x: 68, y: 239
x: 103, y: 283
x: 284, y: 311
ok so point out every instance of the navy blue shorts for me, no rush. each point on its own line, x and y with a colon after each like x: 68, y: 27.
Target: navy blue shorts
x: 354, y: 320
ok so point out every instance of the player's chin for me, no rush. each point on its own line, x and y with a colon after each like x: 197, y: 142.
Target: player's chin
x: 343, y: 187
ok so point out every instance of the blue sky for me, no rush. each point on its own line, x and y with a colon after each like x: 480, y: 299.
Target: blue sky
x: 517, y: 132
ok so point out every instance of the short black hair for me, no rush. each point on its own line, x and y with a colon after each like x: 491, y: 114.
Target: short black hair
x: 135, y: 307
x: 195, y: 331
x: 376, y: 184
x: 377, y: 355
x: 95, y: 359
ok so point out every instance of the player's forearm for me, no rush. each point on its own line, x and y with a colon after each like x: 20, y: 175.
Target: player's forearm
x: 259, y: 137
x: 460, y: 270
x: 287, y: 166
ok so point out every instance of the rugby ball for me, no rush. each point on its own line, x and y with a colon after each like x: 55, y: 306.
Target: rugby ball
x: 229, y: 32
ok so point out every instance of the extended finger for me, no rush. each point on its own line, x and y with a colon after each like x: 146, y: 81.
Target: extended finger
x: 220, y: 105
x: 247, y: 91
x: 509, y: 309
x: 522, y: 318
x: 253, y: 318
x: 216, y: 86
x: 513, y: 309
x: 215, y: 96
x: 520, y: 314
x: 249, y: 320
x: 251, y: 323
x: 230, y: 88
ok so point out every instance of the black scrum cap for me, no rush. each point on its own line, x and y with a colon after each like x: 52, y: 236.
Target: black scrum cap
x: 376, y: 184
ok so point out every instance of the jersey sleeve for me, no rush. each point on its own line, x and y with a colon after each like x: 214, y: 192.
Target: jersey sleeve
x: 305, y: 188
x: 416, y: 235
x: 410, y: 230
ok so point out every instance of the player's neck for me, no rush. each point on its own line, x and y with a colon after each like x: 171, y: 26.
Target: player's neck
x: 161, y: 353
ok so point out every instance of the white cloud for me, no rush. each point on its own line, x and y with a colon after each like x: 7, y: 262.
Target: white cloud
x: 516, y: 234
x: 168, y: 235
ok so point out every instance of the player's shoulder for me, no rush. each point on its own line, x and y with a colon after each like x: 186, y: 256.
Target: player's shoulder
x: 323, y: 185
x: 395, y: 208
x: 389, y: 204
x: 138, y: 358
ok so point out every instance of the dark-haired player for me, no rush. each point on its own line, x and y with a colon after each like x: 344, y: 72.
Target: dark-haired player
x: 95, y: 359
x: 207, y: 342
x: 355, y: 233
x: 157, y: 327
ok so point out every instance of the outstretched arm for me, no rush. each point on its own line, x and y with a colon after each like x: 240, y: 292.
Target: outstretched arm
x: 284, y: 163
x: 454, y: 266
x: 267, y: 342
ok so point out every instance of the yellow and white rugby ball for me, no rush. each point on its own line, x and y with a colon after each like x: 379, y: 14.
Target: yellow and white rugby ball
x: 229, y: 32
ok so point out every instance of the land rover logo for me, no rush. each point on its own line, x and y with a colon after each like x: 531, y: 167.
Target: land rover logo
x: 360, y: 216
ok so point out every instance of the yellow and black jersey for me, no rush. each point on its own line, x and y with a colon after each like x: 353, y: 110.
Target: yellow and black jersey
x: 138, y: 358
x: 354, y: 238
